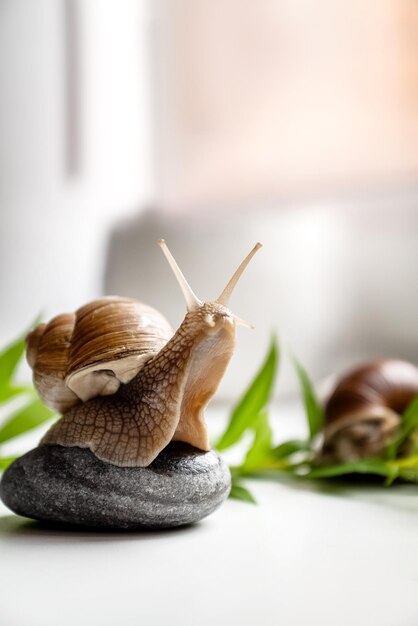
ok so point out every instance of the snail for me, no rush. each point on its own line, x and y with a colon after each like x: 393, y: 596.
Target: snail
x: 363, y: 413
x: 126, y: 385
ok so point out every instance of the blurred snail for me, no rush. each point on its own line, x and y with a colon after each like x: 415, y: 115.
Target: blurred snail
x: 125, y: 384
x: 363, y: 413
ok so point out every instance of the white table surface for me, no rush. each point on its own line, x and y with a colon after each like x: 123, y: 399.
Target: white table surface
x: 309, y: 553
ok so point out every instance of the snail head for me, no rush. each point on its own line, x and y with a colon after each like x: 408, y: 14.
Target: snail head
x: 215, y: 313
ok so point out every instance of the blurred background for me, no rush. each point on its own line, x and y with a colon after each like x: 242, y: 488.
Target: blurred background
x: 214, y: 125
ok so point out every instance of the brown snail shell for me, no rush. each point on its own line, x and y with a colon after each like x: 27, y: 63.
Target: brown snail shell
x: 81, y: 355
x: 364, y: 410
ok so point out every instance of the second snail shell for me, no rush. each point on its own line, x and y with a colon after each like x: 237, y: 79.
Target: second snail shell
x: 363, y: 412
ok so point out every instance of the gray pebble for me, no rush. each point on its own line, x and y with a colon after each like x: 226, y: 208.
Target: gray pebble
x: 72, y: 486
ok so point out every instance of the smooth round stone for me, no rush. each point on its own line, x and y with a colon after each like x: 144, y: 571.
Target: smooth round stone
x: 72, y: 486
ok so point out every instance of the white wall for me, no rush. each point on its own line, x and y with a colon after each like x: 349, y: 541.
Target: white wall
x: 53, y: 220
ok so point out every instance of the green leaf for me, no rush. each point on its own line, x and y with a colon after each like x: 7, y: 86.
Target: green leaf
x: 367, y: 466
x: 411, y: 475
x: 26, y: 418
x: 406, y: 468
x: 314, y: 411
x: 10, y: 391
x: 238, y: 492
x: 408, y: 424
x: 9, y: 360
x: 263, y: 457
x: 6, y: 461
x: 254, y: 400
x: 410, y: 416
x: 260, y: 451
x: 287, y: 448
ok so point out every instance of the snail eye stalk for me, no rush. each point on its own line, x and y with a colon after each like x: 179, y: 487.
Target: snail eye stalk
x: 226, y: 294
x: 192, y: 301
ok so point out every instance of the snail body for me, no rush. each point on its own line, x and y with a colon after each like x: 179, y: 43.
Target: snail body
x: 364, y: 411
x: 125, y: 383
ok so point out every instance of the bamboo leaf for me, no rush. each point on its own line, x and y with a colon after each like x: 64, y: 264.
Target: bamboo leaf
x: 314, y: 411
x: 410, y: 416
x: 9, y: 360
x: 408, y: 424
x: 7, y: 392
x: 263, y: 457
x: 405, y: 468
x: 254, y: 400
x: 367, y: 466
x: 238, y: 492
x: 287, y: 448
x: 260, y: 451
x: 411, y: 475
x: 26, y: 418
x: 6, y: 461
